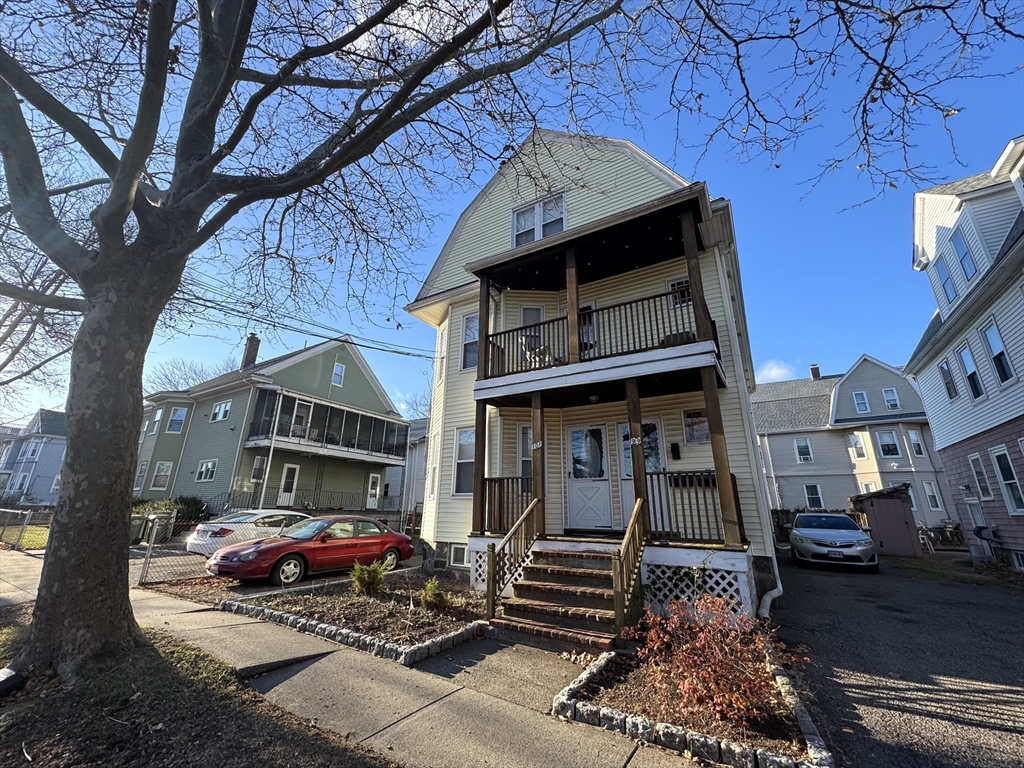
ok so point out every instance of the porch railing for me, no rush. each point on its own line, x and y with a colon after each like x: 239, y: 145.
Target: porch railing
x: 626, y: 560
x: 663, y: 320
x: 505, y: 561
x: 301, y: 499
x: 684, y: 506
x: 505, y: 501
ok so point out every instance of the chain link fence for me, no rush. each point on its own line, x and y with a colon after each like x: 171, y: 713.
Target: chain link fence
x: 25, y: 529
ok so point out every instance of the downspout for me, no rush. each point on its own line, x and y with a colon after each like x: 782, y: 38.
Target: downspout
x: 765, y: 607
x: 270, y: 454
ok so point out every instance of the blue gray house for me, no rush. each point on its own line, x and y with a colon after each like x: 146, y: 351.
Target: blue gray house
x: 31, y: 459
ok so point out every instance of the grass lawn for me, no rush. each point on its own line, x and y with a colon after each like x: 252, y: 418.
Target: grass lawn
x: 168, y: 704
x: 35, y: 536
x: 949, y: 567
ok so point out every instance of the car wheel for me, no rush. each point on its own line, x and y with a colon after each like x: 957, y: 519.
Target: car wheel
x: 390, y: 560
x: 874, y: 568
x: 792, y: 556
x: 287, y: 571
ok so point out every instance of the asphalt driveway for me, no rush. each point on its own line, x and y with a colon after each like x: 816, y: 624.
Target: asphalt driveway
x: 909, y: 672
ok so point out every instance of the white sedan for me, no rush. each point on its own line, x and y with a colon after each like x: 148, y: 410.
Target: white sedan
x: 246, y: 525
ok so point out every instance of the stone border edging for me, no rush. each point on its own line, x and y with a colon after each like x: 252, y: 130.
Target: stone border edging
x: 637, y: 727
x: 406, y: 655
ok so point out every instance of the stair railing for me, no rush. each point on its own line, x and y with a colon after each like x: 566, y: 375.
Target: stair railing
x: 628, y: 596
x: 505, y: 561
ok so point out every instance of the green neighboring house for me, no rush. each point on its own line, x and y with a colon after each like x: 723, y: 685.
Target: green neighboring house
x: 312, y: 429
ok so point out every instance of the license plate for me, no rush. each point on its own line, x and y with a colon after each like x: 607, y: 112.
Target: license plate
x: 835, y: 553
x: 212, y: 569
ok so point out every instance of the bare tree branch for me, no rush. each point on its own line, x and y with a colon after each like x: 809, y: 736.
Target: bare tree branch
x: 39, y: 298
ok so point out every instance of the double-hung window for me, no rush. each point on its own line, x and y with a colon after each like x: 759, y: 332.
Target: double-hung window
x: 470, y: 341
x: 537, y: 220
x: 1000, y: 362
x: 30, y: 450
x: 220, y: 411
x: 140, y: 476
x: 338, y: 375
x: 803, y: 450
x: 868, y: 487
x: 465, y: 453
x: 526, y: 454
x: 56, y: 483
x: 933, y: 495
x: 1007, y: 477
x: 812, y: 493
x: 944, y: 277
x: 910, y: 492
x: 892, y: 400
x: 154, y: 425
x: 860, y: 399
x: 259, y: 466
x: 857, y: 444
x: 207, y: 471
x: 177, y: 421
x: 161, y: 476
x: 887, y: 443
x: 947, y: 380
x: 697, y: 431
x: 980, y: 476
x: 963, y: 254
x: 915, y: 442
x: 971, y: 373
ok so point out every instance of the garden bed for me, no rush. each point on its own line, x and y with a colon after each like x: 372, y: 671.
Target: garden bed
x: 213, y: 589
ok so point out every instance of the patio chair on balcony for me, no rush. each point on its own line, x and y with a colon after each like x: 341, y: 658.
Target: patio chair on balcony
x: 536, y: 355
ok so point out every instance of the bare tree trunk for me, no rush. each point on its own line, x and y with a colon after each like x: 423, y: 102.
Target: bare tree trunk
x: 83, y: 603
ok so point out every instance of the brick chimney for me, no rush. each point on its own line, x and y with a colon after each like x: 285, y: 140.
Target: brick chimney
x: 252, y: 349
x: 815, y: 370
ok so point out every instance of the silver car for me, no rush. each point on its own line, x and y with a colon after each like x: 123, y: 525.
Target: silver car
x: 244, y: 525
x: 830, y: 538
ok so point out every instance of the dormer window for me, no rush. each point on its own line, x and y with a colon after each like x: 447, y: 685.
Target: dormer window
x: 540, y: 219
x: 947, y: 282
x: 963, y: 253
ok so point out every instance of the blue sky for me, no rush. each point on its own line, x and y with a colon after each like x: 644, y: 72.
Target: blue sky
x: 825, y: 279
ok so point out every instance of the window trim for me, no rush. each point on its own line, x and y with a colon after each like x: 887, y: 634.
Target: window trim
x: 30, y: 450
x: 451, y: 556
x: 55, y: 486
x: 864, y: 486
x: 974, y: 262
x: 433, y: 454
x: 463, y: 343
x: 170, y: 468
x: 16, y: 485
x: 1001, y: 450
x: 807, y: 498
x: 686, y: 440
x: 675, y: 302
x: 895, y: 441
x: 1017, y: 560
x: 140, y: 475
x: 456, y: 462
x: 154, y: 423
x: 948, y: 279
x: 199, y: 471
x: 919, y: 443
x: 336, y: 375
x: 944, y: 367
x: 262, y: 467
x: 966, y: 347
x: 867, y: 402
x: 984, y: 475
x: 935, y: 493
x: 796, y: 450
x: 224, y: 414
x: 896, y: 397
x: 521, y: 433
x: 538, y: 218
x: 987, y: 346
x: 863, y: 446
x: 171, y: 420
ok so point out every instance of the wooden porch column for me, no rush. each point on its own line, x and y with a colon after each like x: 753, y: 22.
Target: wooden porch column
x: 537, y: 458
x: 701, y: 317
x: 480, y: 426
x: 636, y: 446
x: 572, y: 293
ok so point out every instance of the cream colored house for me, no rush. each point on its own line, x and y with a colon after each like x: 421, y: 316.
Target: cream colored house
x: 827, y: 438
x: 593, y: 376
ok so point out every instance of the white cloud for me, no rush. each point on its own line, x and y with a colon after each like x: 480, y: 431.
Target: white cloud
x: 773, y: 370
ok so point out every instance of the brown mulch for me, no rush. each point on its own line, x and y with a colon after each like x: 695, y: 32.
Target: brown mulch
x: 627, y: 684
x: 395, y: 615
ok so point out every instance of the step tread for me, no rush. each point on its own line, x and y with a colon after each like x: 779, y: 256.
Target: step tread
x: 564, y: 570
x: 566, y: 589
x: 582, y: 555
x: 554, y: 609
x: 593, y: 639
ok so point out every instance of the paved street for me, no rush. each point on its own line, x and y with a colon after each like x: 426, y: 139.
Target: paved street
x: 908, y: 672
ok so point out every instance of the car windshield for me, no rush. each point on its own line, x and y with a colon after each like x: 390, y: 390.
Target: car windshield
x: 235, y: 517
x: 826, y: 522
x: 305, y: 530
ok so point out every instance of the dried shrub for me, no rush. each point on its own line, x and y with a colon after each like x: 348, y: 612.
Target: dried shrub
x: 709, y: 659
x: 433, y: 598
x: 368, y: 579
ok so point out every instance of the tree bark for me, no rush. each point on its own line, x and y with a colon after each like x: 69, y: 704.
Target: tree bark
x: 83, y: 604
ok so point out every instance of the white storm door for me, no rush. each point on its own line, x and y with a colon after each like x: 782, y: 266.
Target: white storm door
x: 654, y: 461
x: 373, y: 495
x: 289, y: 479
x: 590, y: 497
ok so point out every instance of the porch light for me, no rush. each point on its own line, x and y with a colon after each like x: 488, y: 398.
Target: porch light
x: 593, y: 398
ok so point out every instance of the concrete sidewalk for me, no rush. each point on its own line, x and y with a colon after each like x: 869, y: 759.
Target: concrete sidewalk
x: 478, y: 704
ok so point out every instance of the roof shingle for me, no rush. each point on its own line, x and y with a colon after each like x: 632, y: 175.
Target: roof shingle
x: 796, y: 404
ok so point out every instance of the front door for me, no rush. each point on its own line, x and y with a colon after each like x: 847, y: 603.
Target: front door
x: 654, y: 460
x: 373, y: 495
x: 590, y: 497
x: 979, y: 547
x: 289, y: 478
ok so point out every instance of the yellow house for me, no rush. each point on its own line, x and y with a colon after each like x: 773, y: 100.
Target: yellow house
x: 591, y: 391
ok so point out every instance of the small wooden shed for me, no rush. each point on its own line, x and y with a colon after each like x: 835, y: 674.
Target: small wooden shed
x: 891, y: 520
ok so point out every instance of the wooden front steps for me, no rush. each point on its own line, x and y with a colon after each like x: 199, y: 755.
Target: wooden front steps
x: 564, y: 602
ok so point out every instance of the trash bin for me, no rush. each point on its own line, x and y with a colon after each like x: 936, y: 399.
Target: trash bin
x: 163, y: 523
x: 138, y: 525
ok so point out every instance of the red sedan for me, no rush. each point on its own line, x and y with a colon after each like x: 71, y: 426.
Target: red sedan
x: 315, y: 545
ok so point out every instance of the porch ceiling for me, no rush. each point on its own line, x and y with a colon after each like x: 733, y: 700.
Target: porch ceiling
x: 614, y: 250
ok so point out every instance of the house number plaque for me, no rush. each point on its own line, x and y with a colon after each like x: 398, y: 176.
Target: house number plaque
x: 537, y: 446
x: 636, y: 441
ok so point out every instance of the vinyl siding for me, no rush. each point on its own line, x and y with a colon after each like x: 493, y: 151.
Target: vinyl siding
x: 994, y: 216
x: 955, y: 420
x: 313, y: 377
x: 206, y: 440
x: 598, y: 181
x: 870, y: 377
x: 338, y: 475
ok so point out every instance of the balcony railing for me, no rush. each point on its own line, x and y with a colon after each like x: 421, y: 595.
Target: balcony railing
x: 684, y: 506
x: 664, y: 320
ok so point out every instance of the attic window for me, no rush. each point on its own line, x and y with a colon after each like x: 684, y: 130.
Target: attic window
x: 537, y: 220
x: 963, y: 254
x: 338, y: 376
